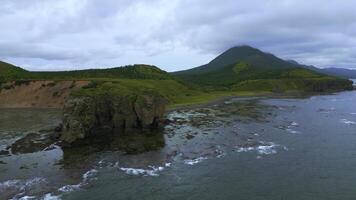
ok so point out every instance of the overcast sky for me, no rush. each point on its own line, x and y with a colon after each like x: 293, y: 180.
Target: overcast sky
x: 173, y: 34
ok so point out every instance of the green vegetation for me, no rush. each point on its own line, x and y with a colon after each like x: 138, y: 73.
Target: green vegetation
x: 176, y: 93
x: 128, y: 72
x: 243, y: 71
x: 173, y: 91
x: 11, y: 72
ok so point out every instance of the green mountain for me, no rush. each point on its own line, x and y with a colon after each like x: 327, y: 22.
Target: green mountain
x: 249, y: 69
x: 239, y: 54
x: 9, y: 72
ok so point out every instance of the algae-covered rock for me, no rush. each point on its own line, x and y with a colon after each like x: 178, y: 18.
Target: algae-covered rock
x: 89, y: 115
x: 79, y: 117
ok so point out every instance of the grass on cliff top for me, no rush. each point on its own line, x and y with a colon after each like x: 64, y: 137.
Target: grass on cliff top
x: 169, y: 89
x: 180, y: 95
x: 206, y: 97
x: 177, y: 93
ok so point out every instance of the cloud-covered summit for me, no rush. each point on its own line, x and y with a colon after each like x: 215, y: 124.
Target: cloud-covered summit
x: 174, y: 34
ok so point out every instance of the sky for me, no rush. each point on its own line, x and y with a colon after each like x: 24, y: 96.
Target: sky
x: 56, y: 35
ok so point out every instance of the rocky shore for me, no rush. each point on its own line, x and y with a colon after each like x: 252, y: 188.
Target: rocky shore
x: 89, y: 108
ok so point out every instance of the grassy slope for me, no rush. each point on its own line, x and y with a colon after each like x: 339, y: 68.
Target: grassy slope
x: 128, y: 72
x: 8, y: 71
x: 178, y: 94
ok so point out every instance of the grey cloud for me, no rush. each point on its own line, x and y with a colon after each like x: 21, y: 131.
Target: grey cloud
x: 119, y: 32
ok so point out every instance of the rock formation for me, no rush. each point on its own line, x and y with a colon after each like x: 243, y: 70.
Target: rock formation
x: 91, y: 115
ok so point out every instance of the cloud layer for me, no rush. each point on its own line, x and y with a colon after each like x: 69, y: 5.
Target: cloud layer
x: 174, y: 34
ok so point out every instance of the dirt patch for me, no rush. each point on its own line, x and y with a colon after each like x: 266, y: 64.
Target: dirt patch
x: 38, y: 94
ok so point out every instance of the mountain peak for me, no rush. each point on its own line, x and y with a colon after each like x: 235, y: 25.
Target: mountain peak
x: 231, y: 55
x: 228, y: 57
x: 243, y: 47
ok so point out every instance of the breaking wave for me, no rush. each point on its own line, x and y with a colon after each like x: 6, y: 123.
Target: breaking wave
x: 346, y: 121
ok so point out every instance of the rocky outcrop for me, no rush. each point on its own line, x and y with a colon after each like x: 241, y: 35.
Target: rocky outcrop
x: 92, y: 115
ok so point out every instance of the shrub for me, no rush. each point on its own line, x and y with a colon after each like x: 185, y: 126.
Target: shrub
x: 91, y: 84
x: 22, y: 82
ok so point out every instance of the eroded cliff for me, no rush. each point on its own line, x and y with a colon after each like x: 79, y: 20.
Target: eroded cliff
x: 37, y: 94
x: 110, y: 109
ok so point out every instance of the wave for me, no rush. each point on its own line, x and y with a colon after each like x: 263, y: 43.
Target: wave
x: 194, y: 161
x: 294, y: 124
x: 291, y: 131
x: 152, y: 171
x: 48, y: 196
x: 346, y: 121
x: 87, y: 176
x: 16, y: 189
x: 265, y: 148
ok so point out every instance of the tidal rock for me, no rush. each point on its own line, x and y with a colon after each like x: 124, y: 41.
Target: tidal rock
x: 32, y: 142
x: 4, y: 153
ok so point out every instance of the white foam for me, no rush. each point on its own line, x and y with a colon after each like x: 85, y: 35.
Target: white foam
x: 70, y: 188
x: 289, y: 128
x: 22, y: 184
x: 152, y: 171
x: 49, y: 196
x: 194, y: 161
x: 294, y: 124
x: 291, y: 131
x: 27, y: 198
x: 89, y: 174
x: 266, y: 149
x: 228, y: 102
x: 346, y: 121
x: 244, y: 149
x: 263, y: 149
x: 352, y: 113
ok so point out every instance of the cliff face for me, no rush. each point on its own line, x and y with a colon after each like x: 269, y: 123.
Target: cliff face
x: 88, y: 116
x: 37, y: 94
